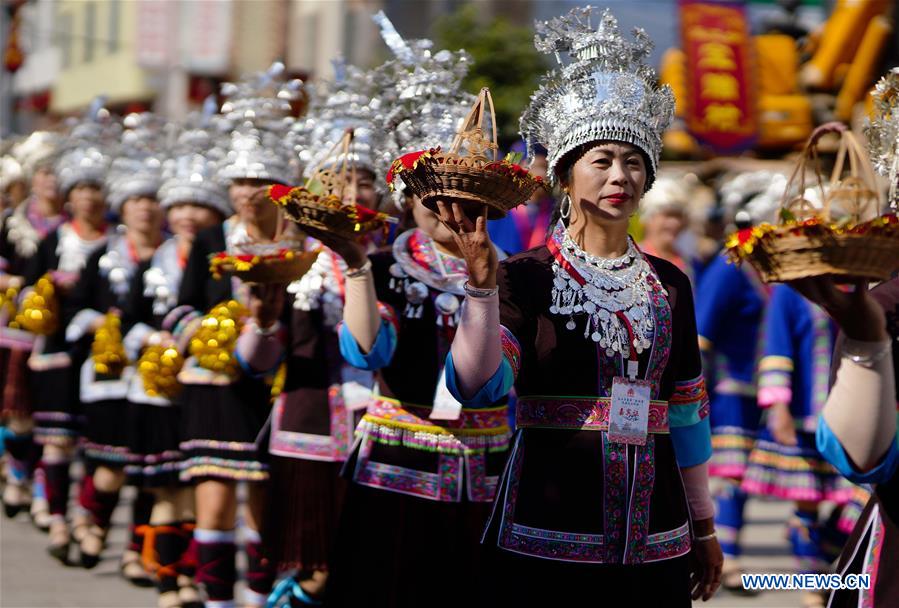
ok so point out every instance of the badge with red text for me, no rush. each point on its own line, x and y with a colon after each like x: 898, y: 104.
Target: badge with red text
x: 629, y: 412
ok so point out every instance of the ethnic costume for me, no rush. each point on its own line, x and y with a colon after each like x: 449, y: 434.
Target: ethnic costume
x: 312, y: 420
x: 576, y: 500
x: 221, y: 414
x: 429, y: 474
x: 795, y: 370
x: 728, y: 316
x: 873, y: 545
x: 569, y: 493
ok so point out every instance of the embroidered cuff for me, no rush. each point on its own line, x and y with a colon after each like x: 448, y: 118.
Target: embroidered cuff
x: 832, y: 450
x: 689, y: 403
x: 497, y: 387
x: 81, y: 323
x: 381, y: 351
x: 775, y: 386
x: 692, y: 444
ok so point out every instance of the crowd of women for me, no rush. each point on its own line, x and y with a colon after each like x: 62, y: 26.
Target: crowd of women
x: 418, y: 419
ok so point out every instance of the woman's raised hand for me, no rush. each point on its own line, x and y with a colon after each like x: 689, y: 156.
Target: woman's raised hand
x: 474, y: 243
x: 856, y: 312
x: 352, y: 252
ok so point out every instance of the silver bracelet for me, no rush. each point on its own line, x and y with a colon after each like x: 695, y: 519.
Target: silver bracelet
x: 477, y: 292
x: 358, y: 272
x: 861, y: 353
x: 707, y: 537
x: 271, y: 330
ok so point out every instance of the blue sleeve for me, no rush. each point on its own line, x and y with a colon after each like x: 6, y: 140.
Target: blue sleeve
x: 693, y: 443
x: 716, y: 291
x: 780, y: 322
x: 496, y: 388
x: 832, y: 450
x: 381, y: 351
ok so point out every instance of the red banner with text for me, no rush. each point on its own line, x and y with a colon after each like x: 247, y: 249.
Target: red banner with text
x: 720, y: 100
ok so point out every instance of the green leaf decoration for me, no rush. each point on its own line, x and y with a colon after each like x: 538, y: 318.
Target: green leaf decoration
x: 786, y: 215
x: 514, y: 157
x: 315, y: 186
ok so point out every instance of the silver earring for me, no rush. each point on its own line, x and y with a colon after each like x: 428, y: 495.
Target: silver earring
x: 565, y: 207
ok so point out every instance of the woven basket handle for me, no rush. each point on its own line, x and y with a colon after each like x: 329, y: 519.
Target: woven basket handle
x: 471, y: 128
x: 809, y: 152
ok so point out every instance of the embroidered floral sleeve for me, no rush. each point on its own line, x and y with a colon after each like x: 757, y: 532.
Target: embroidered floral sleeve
x: 381, y: 351
x: 688, y: 419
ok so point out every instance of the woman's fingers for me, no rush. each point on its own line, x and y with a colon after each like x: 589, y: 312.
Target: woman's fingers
x: 461, y: 219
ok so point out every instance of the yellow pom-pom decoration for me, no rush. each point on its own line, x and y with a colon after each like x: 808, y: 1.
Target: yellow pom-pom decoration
x: 213, y: 344
x: 107, y: 350
x: 158, y: 368
x: 39, y: 311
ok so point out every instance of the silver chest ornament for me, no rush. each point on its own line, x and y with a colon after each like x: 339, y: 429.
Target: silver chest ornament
x: 416, y: 294
x: 113, y: 268
x: 448, y: 309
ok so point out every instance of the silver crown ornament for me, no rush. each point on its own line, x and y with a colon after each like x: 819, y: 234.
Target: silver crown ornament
x: 605, y: 91
x: 882, y: 132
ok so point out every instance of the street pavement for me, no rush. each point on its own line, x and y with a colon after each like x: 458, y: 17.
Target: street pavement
x: 29, y: 578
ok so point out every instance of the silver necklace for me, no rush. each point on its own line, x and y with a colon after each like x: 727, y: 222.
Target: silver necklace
x: 613, y: 287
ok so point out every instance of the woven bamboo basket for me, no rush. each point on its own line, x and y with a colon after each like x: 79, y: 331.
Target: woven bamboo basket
x: 468, y: 176
x: 811, y: 241
x: 323, y: 208
x: 273, y: 269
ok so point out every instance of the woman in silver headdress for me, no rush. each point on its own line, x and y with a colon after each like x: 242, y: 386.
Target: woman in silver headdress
x: 421, y: 481
x: 607, y: 489
x: 54, y: 360
x: 222, y: 413
x: 193, y: 201
x: 96, y: 302
x: 21, y: 230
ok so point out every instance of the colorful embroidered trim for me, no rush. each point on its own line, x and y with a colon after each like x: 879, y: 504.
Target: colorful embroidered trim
x: 776, y: 363
x: 584, y: 413
x: 443, y: 443
x: 205, y: 466
x: 511, y: 349
x: 689, y: 392
x: 407, y: 416
x: 212, y: 444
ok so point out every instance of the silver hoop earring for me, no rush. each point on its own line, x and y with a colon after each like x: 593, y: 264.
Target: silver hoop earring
x: 565, y: 208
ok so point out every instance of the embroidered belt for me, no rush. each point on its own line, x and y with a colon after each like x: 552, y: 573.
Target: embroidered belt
x: 581, y: 413
x: 409, y: 417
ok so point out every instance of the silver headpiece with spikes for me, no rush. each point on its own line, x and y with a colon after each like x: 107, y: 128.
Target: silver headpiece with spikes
x: 137, y: 168
x: 882, y: 132
x: 606, y: 91
x: 85, y: 156
x: 191, y: 171
x: 349, y: 102
x: 422, y: 102
x: 38, y: 150
x: 258, y: 112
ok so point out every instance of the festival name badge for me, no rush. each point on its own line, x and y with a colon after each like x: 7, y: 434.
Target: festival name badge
x: 629, y: 415
x: 446, y: 407
x: 629, y: 411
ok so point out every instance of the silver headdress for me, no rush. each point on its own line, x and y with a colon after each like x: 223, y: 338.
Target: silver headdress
x: 10, y: 172
x: 36, y: 151
x: 137, y: 168
x: 422, y: 103
x: 882, y: 132
x: 85, y: 158
x: 347, y: 103
x: 754, y: 196
x: 258, y: 111
x: 191, y: 171
x: 606, y: 92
